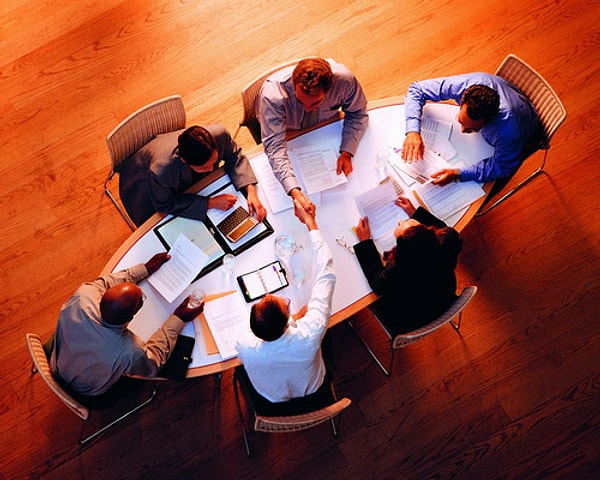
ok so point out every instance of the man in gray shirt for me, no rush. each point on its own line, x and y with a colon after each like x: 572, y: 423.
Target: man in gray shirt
x: 93, y: 348
x: 298, y: 97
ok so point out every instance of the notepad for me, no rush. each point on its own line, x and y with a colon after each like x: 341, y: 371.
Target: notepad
x: 267, y: 279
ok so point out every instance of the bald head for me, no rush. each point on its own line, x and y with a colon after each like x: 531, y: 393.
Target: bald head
x: 120, y: 303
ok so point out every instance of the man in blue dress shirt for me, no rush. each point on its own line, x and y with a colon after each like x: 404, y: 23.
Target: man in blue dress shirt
x: 488, y: 104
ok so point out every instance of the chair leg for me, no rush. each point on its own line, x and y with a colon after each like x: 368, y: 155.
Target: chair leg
x: 539, y: 170
x: 386, y: 371
x: 116, y: 204
x: 236, y: 394
x: 334, y: 427
x: 86, y: 440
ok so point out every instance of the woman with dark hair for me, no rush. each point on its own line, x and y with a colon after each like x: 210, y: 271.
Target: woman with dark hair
x: 416, y: 279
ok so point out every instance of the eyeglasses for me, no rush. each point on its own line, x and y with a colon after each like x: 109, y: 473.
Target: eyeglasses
x: 342, y: 242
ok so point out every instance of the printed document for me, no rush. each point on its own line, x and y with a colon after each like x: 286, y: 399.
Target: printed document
x: 378, y: 205
x: 276, y: 197
x: 228, y: 319
x: 175, y: 275
x: 449, y: 199
x: 316, y: 166
x: 420, y: 171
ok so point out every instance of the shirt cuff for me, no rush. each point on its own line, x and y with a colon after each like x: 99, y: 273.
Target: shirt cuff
x: 138, y: 272
x: 413, y: 125
x: 315, y: 235
x: 289, y: 184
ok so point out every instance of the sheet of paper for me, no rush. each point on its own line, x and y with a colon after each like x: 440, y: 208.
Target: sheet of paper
x: 174, y: 276
x: 274, y: 193
x: 420, y: 171
x: 316, y: 166
x: 378, y: 205
x: 228, y: 318
x: 447, y: 200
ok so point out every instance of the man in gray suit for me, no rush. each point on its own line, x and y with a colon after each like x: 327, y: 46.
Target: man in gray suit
x: 155, y: 177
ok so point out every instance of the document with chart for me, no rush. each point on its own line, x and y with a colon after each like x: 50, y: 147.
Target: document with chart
x: 444, y: 201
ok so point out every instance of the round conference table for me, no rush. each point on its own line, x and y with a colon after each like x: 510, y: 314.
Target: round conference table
x: 337, y: 214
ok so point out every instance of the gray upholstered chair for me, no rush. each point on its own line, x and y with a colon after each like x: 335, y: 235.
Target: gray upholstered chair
x: 292, y: 416
x: 162, y: 116
x: 399, y: 340
x: 548, y: 106
x: 41, y: 366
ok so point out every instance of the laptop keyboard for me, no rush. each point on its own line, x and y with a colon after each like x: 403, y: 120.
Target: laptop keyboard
x: 237, y: 224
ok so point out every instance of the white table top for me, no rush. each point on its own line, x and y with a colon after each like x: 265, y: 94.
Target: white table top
x: 336, y: 215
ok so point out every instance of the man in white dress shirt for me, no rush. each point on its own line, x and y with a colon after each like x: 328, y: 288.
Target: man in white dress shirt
x: 284, y: 361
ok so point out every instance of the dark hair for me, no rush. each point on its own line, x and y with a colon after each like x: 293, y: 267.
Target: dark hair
x: 417, y: 248
x: 423, y: 250
x: 267, y: 320
x: 450, y: 246
x: 482, y: 102
x: 313, y: 75
x: 196, y: 145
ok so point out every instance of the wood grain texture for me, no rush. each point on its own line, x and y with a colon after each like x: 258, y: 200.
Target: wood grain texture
x: 514, y: 396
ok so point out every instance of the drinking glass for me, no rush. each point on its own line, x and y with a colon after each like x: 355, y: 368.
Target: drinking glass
x: 196, y: 298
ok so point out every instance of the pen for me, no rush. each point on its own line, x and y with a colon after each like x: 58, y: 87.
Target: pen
x: 419, y: 199
x: 276, y: 270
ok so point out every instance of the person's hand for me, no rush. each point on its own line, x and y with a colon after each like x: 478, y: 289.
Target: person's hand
x: 186, y: 313
x: 156, y: 262
x: 222, y: 202
x: 255, y: 207
x: 444, y: 176
x: 305, y: 217
x: 303, y: 200
x: 413, y: 147
x: 344, y: 164
x: 363, y: 231
x: 406, y: 205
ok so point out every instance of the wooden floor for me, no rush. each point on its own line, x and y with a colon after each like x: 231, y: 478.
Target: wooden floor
x: 515, y: 396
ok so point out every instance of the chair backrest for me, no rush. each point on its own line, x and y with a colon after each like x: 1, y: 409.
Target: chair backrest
x: 162, y: 116
x: 40, y: 361
x: 455, y: 309
x: 303, y: 421
x: 249, y: 96
x: 550, y: 109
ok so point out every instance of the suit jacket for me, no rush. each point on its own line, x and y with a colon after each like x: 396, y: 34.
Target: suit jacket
x: 409, y: 299
x: 154, y: 178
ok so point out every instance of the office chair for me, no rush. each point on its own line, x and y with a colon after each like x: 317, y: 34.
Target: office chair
x: 162, y: 116
x: 548, y: 106
x: 399, y: 340
x: 292, y: 416
x: 249, y: 96
x: 40, y: 365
